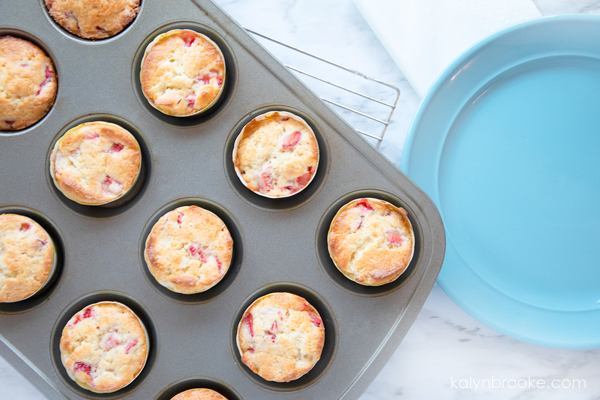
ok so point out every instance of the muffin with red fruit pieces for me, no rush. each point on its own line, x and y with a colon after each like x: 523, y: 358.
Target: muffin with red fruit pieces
x: 27, y: 258
x: 27, y: 83
x: 182, y: 73
x: 199, y: 394
x: 93, y: 19
x: 371, y: 241
x: 280, y: 337
x: 189, y: 250
x: 104, y: 347
x: 276, y: 154
x: 95, y: 163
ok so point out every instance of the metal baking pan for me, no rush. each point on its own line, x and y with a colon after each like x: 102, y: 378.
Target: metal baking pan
x: 280, y: 244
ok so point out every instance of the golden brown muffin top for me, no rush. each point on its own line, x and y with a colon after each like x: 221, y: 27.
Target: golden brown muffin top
x: 199, y: 394
x: 104, y: 347
x: 276, y: 154
x: 26, y: 257
x: 281, y: 337
x: 371, y: 241
x: 93, y: 19
x: 95, y: 163
x: 183, y: 72
x: 189, y: 250
x: 27, y: 83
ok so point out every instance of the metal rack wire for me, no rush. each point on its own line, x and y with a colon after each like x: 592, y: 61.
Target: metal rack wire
x: 390, y: 106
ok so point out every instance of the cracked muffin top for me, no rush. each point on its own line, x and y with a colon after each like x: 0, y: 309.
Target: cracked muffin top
x: 95, y: 163
x: 93, y: 19
x: 371, y: 241
x: 27, y: 83
x: 26, y: 257
x: 281, y: 337
x: 276, y: 154
x: 104, y: 347
x: 182, y: 73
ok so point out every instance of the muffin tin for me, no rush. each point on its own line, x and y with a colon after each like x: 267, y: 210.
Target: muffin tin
x: 280, y: 244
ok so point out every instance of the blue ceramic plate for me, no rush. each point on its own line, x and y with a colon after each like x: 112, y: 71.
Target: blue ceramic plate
x: 507, y: 144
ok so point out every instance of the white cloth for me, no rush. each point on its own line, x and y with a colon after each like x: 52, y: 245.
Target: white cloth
x: 424, y: 36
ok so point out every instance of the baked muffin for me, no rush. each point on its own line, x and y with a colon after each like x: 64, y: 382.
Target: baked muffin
x: 27, y: 83
x: 104, y: 347
x: 276, y: 154
x: 95, y: 163
x: 27, y: 257
x: 93, y: 19
x: 189, y: 250
x: 199, y: 394
x: 183, y: 73
x: 280, y: 337
x: 371, y: 241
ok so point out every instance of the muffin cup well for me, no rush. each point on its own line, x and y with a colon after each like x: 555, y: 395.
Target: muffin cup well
x: 91, y: 389
x: 175, y: 32
x: 41, y: 296
x: 37, y: 110
x: 412, y: 253
x: 192, y: 383
x: 50, y: 278
x: 267, y: 115
x: 73, y: 35
x: 329, y: 348
x: 233, y: 226
x: 237, y: 338
x: 53, y: 157
x: 173, y: 288
x: 52, y: 273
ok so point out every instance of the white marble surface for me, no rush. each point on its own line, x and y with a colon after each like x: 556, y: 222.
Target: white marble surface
x: 444, y: 343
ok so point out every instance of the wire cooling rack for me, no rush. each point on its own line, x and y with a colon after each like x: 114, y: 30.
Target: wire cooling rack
x: 379, y: 112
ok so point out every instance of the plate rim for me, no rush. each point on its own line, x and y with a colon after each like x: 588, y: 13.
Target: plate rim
x: 501, y: 324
